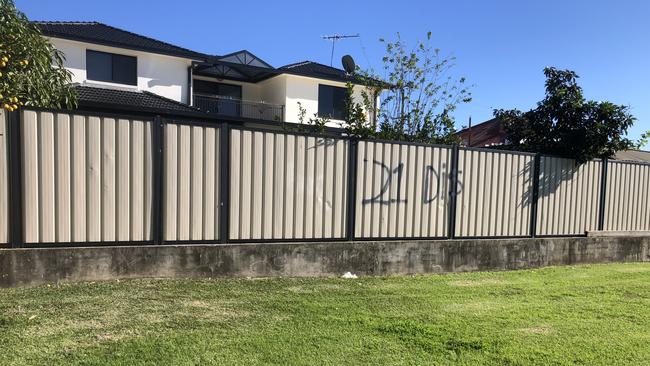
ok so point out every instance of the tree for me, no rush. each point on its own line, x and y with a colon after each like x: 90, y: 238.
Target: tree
x: 314, y: 124
x: 31, y: 69
x: 643, y: 141
x: 418, y: 96
x: 566, y: 124
x: 356, y: 114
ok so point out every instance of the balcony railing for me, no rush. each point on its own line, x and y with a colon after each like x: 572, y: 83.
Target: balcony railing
x: 239, y: 108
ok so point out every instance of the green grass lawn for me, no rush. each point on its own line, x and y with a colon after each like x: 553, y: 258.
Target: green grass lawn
x: 589, y: 315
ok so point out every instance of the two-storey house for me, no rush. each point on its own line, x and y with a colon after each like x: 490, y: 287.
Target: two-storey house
x: 116, y: 69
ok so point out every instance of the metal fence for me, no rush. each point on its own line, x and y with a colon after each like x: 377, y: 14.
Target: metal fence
x: 628, y: 197
x: 287, y: 186
x: 85, y: 178
x: 495, y: 193
x: 191, y: 182
x: 569, y: 195
x: 401, y: 190
x: 4, y: 181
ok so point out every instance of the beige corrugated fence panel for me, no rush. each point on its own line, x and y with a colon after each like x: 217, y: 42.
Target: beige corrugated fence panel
x: 494, y: 193
x: 569, y: 196
x: 191, y: 183
x: 4, y: 180
x: 627, y: 201
x: 86, y: 178
x: 287, y: 186
x: 401, y: 190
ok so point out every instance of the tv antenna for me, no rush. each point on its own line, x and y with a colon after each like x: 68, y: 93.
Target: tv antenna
x: 337, y: 37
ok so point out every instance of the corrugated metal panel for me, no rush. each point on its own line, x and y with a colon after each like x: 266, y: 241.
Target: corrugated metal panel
x: 287, y: 186
x: 191, y: 183
x: 401, y: 190
x: 568, y: 196
x: 494, y: 193
x: 86, y: 178
x: 628, y: 197
x: 4, y: 180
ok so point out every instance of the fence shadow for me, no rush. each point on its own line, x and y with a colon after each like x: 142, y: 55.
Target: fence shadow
x: 549, y: 179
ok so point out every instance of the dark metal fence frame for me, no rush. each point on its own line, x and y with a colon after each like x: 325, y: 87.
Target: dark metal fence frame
x: 15, y: 191
x: 14, y: 155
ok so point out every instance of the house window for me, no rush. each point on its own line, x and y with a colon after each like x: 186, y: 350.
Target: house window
x: 331, y: 101
x: 104, y: 66
x: 217, y: 89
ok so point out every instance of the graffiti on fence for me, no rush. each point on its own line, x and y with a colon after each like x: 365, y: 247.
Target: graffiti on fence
x: 387, y: 183
x: 429, y: 171
x: 390, y: 174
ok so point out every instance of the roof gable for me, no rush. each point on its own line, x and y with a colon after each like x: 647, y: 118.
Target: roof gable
x: 245, y: 57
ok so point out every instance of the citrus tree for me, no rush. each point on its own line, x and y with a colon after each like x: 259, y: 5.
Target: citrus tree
x: 31, y: 69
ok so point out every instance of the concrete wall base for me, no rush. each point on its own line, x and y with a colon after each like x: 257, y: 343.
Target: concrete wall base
x: 27, y: 267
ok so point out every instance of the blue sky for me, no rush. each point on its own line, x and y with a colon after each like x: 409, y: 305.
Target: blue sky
x: 501, y: 46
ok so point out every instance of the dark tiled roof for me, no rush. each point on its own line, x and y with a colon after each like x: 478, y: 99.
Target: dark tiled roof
x: 90, y: 96
x: 490, y: 132
x: 316, y: 70
x: 633, y: 155
x: 99, y: 33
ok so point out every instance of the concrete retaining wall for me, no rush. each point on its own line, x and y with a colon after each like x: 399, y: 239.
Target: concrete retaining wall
x: 22, y: 267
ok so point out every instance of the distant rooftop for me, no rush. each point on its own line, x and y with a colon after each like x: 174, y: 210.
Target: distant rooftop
x: 633, y: 155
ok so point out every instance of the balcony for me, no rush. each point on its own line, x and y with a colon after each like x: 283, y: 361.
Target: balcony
x: 239, y: 108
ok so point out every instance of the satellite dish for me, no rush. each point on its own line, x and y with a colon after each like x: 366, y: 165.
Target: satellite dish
x: 348, y: 64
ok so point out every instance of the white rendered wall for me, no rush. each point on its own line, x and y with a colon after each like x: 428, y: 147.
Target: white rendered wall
x: 305, y: 90
x: 159, y: 74
x: 274, y: 90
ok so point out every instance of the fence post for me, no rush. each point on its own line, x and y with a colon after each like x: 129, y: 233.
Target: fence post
x: 15, y: 189
x: 453, y: 192
x: 534, y: 198
x: 158, y: 176
x: 224, y: 183
x: 603, y: 194
x: 352, y: 189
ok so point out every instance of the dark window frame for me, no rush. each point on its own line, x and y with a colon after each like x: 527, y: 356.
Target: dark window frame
x: 217, y: 85
x: 331, y: 101
x: 123, y: 68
